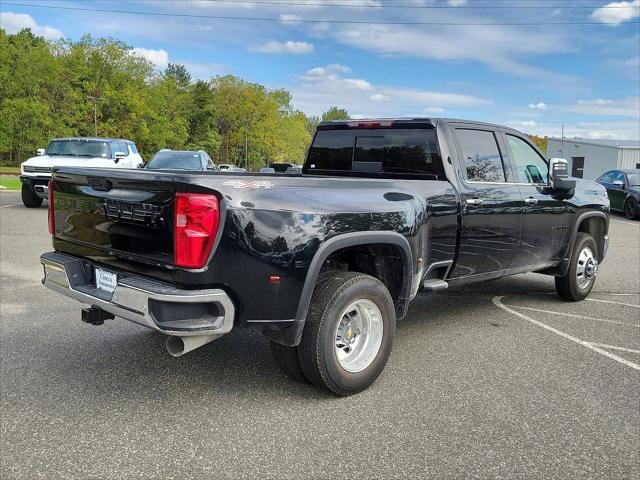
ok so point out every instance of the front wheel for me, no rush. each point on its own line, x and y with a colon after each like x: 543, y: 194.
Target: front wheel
x: 583, y: 267
x: 29, y: 197
x: 631, y: 209
x: 348, y: 333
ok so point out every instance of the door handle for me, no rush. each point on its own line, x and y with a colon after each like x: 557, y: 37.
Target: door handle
x: 473, y: 202
x: 531, y: 201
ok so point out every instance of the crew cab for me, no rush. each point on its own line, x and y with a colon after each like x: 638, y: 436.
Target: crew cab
x: 85, y: 152
x: 326, y: 262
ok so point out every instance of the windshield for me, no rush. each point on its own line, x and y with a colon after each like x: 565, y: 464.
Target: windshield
x: 634, y: 179
x: 175, y: 161
x: 376, y: 150
x: 79, y: 148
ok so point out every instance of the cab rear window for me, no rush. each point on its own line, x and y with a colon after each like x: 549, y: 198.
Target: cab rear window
x: 376, y: 150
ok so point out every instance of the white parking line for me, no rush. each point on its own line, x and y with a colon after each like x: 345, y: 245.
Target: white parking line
x: 497, y: 301
x: 615, y: 303
x: 626, y: 223
x: 576, y: 316
x: 617, y: 294
x: 613, y: 347
x: 7, y: 206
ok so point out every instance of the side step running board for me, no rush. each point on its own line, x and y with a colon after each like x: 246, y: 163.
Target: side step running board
x: 434, y: 285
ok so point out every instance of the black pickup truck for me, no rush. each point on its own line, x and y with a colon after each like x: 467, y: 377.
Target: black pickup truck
x: 324, y: 262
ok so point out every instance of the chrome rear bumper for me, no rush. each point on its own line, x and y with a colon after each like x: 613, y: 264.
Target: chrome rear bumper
x: 149, y: 303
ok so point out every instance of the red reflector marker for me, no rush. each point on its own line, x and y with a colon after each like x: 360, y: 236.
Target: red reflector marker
x: 197, y: 216
x: 52, y: 216
x: 274, y: 279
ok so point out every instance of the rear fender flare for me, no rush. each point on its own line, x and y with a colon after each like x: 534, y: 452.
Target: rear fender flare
x: 350, y: 240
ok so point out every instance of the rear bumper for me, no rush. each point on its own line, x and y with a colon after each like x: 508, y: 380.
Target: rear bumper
x: 152, y: 304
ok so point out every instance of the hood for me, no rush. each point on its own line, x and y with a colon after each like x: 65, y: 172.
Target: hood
x: 64, y: 161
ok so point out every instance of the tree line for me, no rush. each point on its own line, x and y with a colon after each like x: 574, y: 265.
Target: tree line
x: 47, y: 90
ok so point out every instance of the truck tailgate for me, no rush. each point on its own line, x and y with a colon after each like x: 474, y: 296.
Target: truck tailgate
x: 117, y: 217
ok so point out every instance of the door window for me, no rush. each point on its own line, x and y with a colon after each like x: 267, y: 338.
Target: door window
x: 529, y: 166
x: 607, y: 177
x: 120, y: 147
x: 618, y: 176
x: 481, y: 155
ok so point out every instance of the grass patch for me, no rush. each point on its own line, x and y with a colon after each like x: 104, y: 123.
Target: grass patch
x: 4, y: 170
x: 10, y: 183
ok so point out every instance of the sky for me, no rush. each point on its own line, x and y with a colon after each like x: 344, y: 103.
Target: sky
x: 576, y: 63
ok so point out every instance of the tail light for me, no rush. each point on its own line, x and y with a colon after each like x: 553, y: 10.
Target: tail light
x: 52, y: 215
x: 197, y: 217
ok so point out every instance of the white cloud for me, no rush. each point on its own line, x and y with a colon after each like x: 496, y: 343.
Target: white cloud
x: 501, y: 47
x: 320, y: 87
x: 289, y: 46
x: 617, y: 12
x: 625, y: 107
x: 14, y: 22
x: 358, y: 83
x: 456, y: 3
x: 290, y: 19
x: 378, y: 97
x: 159, y: 58
x: 331, y: 69
x: 538, y: 106
x: 524, y: 124
x: 627, y: 130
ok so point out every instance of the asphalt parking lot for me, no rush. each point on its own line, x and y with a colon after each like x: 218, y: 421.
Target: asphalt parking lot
x: 499, y: 380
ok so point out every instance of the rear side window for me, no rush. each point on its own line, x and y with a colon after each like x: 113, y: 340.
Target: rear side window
x: 377, y: 150
x: 481, y: 155
x: 133, y: 148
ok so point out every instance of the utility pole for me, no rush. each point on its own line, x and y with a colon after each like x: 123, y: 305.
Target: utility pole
x: 562, y: 141
x: 95, y: 112
x: 246, y: 147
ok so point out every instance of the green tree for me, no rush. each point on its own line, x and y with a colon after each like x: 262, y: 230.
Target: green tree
x: 541, y: 142
x: 335, y: 113
x: 45, y: 89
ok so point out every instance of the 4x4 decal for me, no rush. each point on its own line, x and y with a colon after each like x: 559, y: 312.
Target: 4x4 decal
x: 249, y: 183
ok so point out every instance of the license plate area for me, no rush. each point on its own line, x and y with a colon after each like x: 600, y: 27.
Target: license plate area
x: 106, y: 281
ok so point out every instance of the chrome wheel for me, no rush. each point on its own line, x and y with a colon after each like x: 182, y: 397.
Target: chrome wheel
x: 358, y: 335
x: 586, y: 268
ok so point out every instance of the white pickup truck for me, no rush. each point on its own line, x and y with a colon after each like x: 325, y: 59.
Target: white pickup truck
x: 73, y: 152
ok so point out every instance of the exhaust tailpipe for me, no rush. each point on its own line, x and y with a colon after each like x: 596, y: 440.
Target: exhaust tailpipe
x: 178, y: 346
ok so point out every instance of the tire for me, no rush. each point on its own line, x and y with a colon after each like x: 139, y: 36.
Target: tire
x: 370, y: 327
x: 287, y: 357
x: 581, y: 276
x: 29, y: 197
x: 631, y: 209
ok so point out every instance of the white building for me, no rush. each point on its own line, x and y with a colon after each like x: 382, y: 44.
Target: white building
x: 590, y: 158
